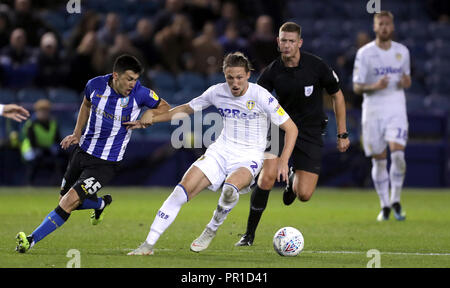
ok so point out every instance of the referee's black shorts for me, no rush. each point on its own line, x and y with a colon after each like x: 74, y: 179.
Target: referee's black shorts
x: 87, y: 174
x: 306, y: 156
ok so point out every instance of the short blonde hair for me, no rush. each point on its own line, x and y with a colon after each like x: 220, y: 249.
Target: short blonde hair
x: 291, y: 27
x: 384, y: 13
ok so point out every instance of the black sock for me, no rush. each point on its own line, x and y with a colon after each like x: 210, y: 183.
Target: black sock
x: 258, y: 202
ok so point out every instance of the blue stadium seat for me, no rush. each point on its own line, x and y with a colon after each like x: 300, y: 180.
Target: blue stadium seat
x: 30, y: 95
x: 7, y: 96
x: 64, y: 95
x: 215, y: 79
x: 414, y: 102
x: 440, y: 31
x: 56, y: 20
x: 300, y: 9
x: 185, y: 95
x: 438, y: 102
x: 190, y: 80
x: 163, y: 80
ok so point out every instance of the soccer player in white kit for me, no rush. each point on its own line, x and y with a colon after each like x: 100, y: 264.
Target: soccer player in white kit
x: 234, y: 159
x: 381, y: 73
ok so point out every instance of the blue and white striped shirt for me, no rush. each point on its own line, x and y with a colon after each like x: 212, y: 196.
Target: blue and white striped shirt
x: 105, y: 137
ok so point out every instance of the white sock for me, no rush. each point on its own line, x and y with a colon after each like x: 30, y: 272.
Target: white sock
x: 167, y: 214
x: 397, y: 174
x: 380, y: 179
x: 228, y: 199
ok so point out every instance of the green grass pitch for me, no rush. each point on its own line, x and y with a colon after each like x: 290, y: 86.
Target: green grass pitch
x: 338, y: 225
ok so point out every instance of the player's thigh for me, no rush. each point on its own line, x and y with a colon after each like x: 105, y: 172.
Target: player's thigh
x: 73, y: 170
x: 240, y: 178
x: 397, y: 132
x: 373, y: 136
x: 307, y: 165
x: 268, y: 174
x: 305, y: 184
x: 94, y: 177
x: 194, y: 181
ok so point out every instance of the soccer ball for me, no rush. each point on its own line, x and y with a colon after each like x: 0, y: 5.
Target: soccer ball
x: 288, y: 241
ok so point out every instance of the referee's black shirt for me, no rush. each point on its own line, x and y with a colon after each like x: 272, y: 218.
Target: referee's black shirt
x: 299, y: 92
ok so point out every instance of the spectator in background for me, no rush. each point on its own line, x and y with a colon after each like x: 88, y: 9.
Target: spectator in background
x: 18, y: 63
x: 87, y: 62
x: 122, y: 45
x: 142, y: 39
x: 230, y: 14
x: 174, y: 42
x: 231, y: 41
x: 5, y: 28
x: 52, y: 65
x: 344, y: 66
x: 24, y: 17
x: 165, y: 17
x: 40, y: 141
x: 263, y: 43
x: 89, y: 23
x: 207, y: 53
x: 107, y: 34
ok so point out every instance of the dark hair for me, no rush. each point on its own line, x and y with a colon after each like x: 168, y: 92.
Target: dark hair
x: 236, y: 59
x: 291, y: 27
x: 127, y: 62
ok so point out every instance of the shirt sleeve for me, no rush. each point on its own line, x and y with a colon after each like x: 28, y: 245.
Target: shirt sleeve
x: 359, y: 69
x: 272, y: 108
x: 265, y: 80
x: 329, y: 79
x: 406, y: 65
x: 203, y: 101
x: 88, y: 91
x: 2, y: 106
x: 147, y: 97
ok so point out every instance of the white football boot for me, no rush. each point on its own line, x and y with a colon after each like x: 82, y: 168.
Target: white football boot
x: 203, y: 241
x: 144, y: 249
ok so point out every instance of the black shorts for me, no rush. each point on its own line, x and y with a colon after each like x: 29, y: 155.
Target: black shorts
x: 87, y: 174
x: 306, y: 156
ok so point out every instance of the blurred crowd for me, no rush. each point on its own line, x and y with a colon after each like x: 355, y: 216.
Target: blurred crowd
x: 180, y: 36
x: 42, y: 45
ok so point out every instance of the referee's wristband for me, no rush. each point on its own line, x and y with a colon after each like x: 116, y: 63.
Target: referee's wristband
x: 343, y: 135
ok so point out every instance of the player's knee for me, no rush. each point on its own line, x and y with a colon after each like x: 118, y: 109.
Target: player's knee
x: 70, y: 201
x: 398, y: 159
x: 304, y: 194
x: 229, y: 193
x: 266, y: 181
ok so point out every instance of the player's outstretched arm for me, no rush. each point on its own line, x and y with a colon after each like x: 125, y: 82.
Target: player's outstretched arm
x: 148, y: 118
x: 15, y: 112
x: 289, y: 139
x: 339, y: 112
x: 82, y: 119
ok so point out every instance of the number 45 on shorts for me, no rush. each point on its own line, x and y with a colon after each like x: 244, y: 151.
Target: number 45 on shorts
x: 91, y: 185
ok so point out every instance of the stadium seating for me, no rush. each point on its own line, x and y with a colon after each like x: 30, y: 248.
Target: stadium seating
x: 7, y: 96
x: 30, y: 95
x: 64, y: 95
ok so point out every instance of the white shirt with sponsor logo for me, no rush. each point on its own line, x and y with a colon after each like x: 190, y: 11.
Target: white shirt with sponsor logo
x: 245, y: 118
x: 371, y: 64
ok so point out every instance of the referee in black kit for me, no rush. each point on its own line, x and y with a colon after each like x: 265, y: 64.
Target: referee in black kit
x: 298, y: 79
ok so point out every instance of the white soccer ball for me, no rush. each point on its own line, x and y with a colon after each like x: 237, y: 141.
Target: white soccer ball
x: 288, y: 241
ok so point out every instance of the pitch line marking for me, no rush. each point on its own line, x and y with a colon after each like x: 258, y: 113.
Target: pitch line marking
x: 323, y: 252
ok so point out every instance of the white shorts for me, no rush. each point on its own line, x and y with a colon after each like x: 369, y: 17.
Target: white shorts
x: 217, y: 164
x: 378, y: 132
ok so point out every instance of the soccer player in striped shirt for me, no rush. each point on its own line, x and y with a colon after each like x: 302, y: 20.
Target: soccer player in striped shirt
x: 109, y: 101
